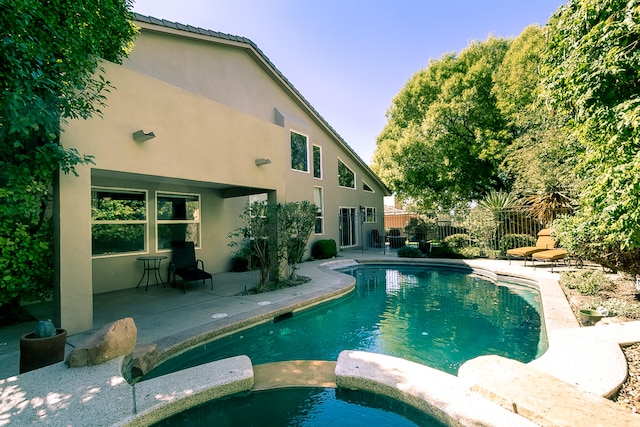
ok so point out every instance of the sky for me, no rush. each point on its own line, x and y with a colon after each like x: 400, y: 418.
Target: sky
x: 349, y: 58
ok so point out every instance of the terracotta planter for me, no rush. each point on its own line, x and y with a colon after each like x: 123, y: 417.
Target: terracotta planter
x: 40, y: 352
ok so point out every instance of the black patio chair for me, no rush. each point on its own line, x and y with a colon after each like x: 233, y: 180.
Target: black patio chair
x: 185, y: 265
x: 376, y: 239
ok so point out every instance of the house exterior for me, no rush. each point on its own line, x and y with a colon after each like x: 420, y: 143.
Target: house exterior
x: 198, y: 124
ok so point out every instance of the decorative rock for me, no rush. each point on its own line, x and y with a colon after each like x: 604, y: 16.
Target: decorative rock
x: 144, y: 358
x: 113, y: 340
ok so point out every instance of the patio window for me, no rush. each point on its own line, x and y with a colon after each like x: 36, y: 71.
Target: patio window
x: 317, y: 162
x: 299, y: 152
x: 346, y: 177
x: 118, y: 221
x: 370, y: 215
x: 178, y: 219
x: 317, y: 199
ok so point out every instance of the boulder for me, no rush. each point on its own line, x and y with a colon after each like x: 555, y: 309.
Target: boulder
x: 113, y: 340
x: 144, y: 359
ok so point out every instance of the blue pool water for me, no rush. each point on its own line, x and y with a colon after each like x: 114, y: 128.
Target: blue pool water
x: 437, y: 317
x: 308, y: 407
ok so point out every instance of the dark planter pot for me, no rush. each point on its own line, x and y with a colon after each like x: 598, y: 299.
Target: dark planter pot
x: 424, y: 247
x: 37, y: 353
x: 396, y: 242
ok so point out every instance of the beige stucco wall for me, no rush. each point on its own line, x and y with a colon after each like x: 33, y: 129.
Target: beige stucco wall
x: 213, y: 110
x: 170, y: 56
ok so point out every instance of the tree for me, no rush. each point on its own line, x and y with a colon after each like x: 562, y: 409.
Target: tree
x: 297, y: 220
x: 540, y: 162
x: 274, y: 232
x: 591, y: 72
x: 445, y: 136
x: 50, y: 53
x: 259, y: 226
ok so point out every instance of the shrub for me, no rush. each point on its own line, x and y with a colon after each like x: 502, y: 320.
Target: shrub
x: 470, y: 252
x: 617, y: 308
x: 443, y: 251
x: 510, y: 241
x: 417, y: 229
x: 324, y: 249
x: 409, y: 252
x: 587, y: 282
x: 457, y: 241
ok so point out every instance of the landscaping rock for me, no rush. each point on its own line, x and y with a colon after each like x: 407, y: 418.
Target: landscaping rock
x: 144, y: 358
x: 113, y: 340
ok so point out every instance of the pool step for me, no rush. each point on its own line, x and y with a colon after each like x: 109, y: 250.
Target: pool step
x: 296, y: 373
x: 539, y: 396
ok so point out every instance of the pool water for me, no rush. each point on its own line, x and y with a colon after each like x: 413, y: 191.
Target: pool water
x: 302, y: 407
x: 438, y: 317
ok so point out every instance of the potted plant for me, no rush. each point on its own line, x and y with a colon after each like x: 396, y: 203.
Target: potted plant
x: 42, y: 347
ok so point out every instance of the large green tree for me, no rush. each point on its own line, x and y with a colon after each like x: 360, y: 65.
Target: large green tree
x: 592, y: 72
x: 50, y: 54
x: 540, y: 162
x: 445, y: 136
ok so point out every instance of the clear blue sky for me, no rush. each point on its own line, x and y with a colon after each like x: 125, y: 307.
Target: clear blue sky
x: 349, y: 58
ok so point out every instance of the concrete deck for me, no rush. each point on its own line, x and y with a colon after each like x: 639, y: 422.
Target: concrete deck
x: 175, y: 322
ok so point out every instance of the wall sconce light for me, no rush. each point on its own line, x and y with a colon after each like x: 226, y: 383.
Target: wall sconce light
x: 141, y: 136
x: 262, y: 161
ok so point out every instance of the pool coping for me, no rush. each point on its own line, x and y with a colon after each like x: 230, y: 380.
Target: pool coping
x: 84, y: 395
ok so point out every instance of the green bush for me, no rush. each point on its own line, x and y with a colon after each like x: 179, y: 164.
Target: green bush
x: 616, y: 308
x: 470, y: 252
x: 443, y: 251
x: 417, y: 228
x: 409, y: 252
x: 510, y: 241
x: 587, y: 282
x: 456, y: 242
x: 324, y: 249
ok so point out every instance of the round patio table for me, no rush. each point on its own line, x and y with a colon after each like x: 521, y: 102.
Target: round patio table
x: 151, y: 264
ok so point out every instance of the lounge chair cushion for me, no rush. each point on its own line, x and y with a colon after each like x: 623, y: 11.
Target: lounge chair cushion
x: 544, y: 242
x: 550, y: 255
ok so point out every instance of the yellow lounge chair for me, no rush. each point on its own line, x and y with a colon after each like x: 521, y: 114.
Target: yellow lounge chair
x: 544, y: 242
x: 552, y: 255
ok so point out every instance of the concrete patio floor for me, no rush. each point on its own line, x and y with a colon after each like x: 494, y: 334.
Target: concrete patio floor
x: 588, y: 358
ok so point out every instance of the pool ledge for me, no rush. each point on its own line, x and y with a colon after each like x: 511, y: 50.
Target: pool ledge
x: 433, y: 392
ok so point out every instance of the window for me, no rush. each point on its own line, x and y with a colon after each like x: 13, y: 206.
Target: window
x: 346, y: 177
x: 118, y: 221
x: 370, y: 215
x: 299, y: 149
x: 317, y: 162
x: 178, y: 219
x: 317, y: 199
x: 366, y: 187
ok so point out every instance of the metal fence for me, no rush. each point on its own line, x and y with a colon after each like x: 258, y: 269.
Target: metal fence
x: 489, y: 233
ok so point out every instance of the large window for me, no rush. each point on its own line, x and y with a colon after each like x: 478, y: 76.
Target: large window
x: 317, y: 162
x: 317, y: 199
x: 346, y: 177
x: 178, y: 219
x: 299, y: 152
x: 118, y: 221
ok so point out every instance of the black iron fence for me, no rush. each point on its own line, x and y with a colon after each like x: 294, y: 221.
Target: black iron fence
x: 487, y: 232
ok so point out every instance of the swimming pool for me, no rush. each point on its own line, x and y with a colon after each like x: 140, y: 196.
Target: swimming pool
x: 434, y: 316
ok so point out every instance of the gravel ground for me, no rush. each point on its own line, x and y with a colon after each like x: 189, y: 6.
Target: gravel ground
x: 622, y: 288
x: 629, y: 394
